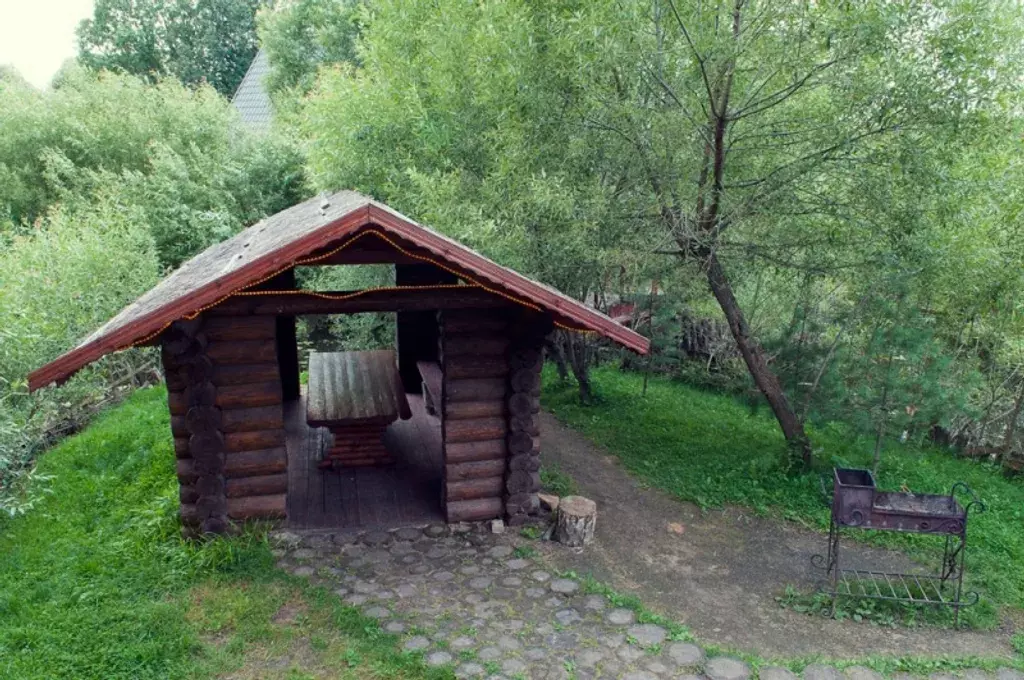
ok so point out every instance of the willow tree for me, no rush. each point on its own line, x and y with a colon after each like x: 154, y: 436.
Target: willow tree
x: 745, y: 123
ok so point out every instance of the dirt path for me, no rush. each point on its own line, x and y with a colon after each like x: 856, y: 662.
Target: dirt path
x: 721, y: 575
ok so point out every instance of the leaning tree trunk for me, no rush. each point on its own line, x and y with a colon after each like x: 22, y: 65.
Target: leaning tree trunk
x: 754, y: 356
x: 579, y: 355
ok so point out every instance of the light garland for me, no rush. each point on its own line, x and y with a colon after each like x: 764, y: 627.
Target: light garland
x: 245, y: 292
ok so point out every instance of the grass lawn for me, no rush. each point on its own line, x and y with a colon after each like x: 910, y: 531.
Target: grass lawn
x: 96, y: 583
x: 712, y: 450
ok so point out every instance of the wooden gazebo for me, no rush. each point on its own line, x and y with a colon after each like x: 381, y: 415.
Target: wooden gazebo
x: 469, y: 334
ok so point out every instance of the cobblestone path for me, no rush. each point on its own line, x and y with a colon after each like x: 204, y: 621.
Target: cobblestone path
x: 467, y: 600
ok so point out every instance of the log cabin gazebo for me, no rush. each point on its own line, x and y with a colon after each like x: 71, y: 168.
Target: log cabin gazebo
x: 467, y: 370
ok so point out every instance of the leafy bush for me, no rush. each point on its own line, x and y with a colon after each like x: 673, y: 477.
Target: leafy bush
x: 57, y: 284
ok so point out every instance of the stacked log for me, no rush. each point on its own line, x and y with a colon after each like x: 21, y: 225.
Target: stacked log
x: 226, y: 402
x: 474, y: 360
x: 525, y: 360
x: 357, y: 446
x: 198, y: 424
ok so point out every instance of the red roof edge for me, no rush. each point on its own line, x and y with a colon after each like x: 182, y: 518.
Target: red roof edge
x: 563, y: 307
x: 570, y: 313
x: 63, y: 367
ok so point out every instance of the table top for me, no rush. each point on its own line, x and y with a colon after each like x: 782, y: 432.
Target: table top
x: 354, y: 388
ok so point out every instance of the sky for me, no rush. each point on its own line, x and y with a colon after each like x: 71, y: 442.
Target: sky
x: 37, y: 36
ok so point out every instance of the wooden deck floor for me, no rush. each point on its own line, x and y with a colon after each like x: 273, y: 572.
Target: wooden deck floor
x: 408, y: 491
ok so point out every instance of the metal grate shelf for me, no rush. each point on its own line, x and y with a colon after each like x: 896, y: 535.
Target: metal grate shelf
x: 856, y: 504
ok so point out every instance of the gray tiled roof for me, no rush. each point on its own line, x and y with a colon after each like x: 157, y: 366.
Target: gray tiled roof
x: 251, y: 98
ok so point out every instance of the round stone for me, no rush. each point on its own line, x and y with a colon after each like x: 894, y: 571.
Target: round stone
x: 470, y: 670
x: 534, y: 593
x: 377, y: 612
x: 384, y: 595
x: 436, y: 553
x: 480, y: 582
x: 406, y: 590
x: 285, y: 539
x: 589, y: 658
x: 568, y: 617
x: 594, y: 603
x: 341, y: 592
x: 394, y: 627
x: 656, y: 666
x: 630, y: 654
x: 377, y: 538
x: 513, y: 667
x: 303, y: 571
x: 438, y: 658
x: 512, y: 581
x: 724, y: 668
x: 470, y: 570
x: 303, y: 554
x: 640, y: 675
x: 443, y: 576
x: 416, y: 644
x: 687, y: 654
x: 535, y: 654
x: 409, y: 534
x: 489, y: 653
x: 862, y: 673
x: 776, y: 673
x: 500, y: 551
x: 647, y: 634
x: 564, y: 586
x: 509, y: 643
x: 517, y: 564
x: 377, y: 556
x: 356, y: 599
x: 973, y: 674
x: 1008, y: 674
x: 364, y: 587
x: 436, y: 530
x: 540, y: 576
x: 817, y: 671
x: 620, y: 617
x: 462, y: 642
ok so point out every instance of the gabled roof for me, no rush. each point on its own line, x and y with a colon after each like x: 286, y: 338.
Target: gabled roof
x: 279, y: 242
x: 251, y: 98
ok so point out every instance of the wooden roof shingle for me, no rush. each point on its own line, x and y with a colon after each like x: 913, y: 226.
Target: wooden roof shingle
x: 278, y: 243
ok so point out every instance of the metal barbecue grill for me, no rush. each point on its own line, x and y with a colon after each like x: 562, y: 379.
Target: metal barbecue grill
x: 857, y: 504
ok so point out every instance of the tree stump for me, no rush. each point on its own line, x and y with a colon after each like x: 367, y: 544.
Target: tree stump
x: 577, y: 517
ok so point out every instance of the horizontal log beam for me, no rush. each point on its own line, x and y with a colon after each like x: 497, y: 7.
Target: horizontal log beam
x: 478, y: 429
x: 256, y: 463
x: 474, y: 510
x: 258, y: 507
x: 462, y: 410
x: 475, y: 470
x: 486, y: 487
x: 263, y: 485
x: 466, y: 452
x: 369, y: 301
x: 253, y: 441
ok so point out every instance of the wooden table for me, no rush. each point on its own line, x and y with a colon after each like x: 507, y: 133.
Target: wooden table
x: 356, y: 395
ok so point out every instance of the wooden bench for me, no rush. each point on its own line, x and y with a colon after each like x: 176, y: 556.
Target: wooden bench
x: 430, y: 372
x: 356, y: 395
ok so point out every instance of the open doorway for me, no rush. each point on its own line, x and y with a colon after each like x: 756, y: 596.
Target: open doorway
x: 407, y: 486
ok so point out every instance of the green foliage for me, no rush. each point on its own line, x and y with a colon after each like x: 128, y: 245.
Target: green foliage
x: 711, y: 450
x: 301, y: 36
x: 101, y: 559
x: 103, y: 122
x: 197, y: 41
x: 106, y: 182
x: 556, y: 482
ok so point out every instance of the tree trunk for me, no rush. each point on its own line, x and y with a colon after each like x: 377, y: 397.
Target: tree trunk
x: 754, y: 357
x: 1011, y: 425
x: 555, y: 347
x: 579, y: 361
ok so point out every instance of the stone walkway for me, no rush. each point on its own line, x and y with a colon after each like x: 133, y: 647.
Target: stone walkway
x: 468, y: 599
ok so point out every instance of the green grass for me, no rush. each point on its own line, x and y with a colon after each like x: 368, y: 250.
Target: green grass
x: 96, y: 583
x: 712, y: 450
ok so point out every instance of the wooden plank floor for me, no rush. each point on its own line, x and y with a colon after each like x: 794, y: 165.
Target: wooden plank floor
x: 407, y: 492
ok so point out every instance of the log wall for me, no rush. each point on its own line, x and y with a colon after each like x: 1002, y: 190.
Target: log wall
x: 474, y: 360
x: 525, y: 359
x: 225, y: 396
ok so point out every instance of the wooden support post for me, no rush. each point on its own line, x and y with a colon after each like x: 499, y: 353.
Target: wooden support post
x: 203, y: 494
x: 416, y: 331
x: 474, y: 376
x: 522, y: 404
